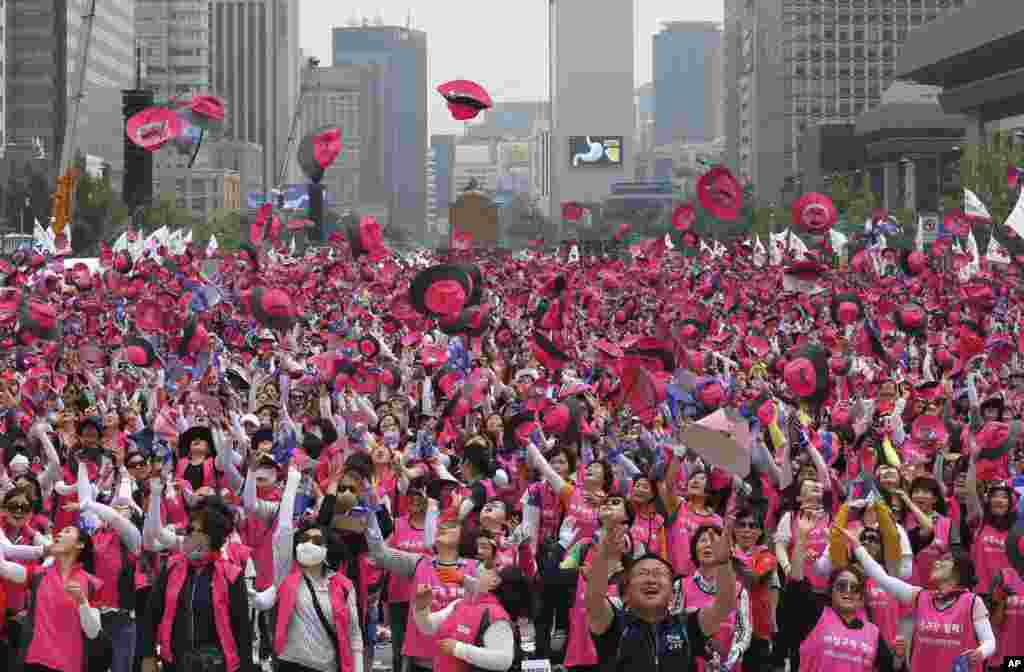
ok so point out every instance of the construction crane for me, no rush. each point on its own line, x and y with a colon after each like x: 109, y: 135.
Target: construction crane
x: 67, y: 178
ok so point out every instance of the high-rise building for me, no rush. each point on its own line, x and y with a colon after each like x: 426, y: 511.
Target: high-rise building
x: 398, y: 133
x: 508, y: 120
x: 174, y: 44
x: 593, y: 111
x: 797, y: 63
x: 42, y: 40
x: 333, y: 96
x: 111, y: 69
x: 443, y: 148
x: 35, y: 92
x: 255, y: 67
x: 687, y: 82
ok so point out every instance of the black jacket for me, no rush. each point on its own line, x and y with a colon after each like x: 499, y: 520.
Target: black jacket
x: 238, y: 605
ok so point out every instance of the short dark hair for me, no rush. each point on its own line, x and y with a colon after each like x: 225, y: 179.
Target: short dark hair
x: 218, y: 520
x: 696, y: 538
x: 358, y: 464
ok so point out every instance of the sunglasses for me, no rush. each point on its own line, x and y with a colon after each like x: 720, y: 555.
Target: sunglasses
x: 747, y: 525
x: 848, y: 587
x: 870, y: 539
x: 135, y: 464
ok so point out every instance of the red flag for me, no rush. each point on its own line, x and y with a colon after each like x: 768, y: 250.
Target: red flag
x: 257, y: 228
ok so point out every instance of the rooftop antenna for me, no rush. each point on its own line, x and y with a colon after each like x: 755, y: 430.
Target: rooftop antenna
x: 378, y: 19
x: 353, y: 19
x: 366, y: 22
x: 408, y: 19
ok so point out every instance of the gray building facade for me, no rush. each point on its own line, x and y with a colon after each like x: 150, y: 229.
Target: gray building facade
x: 797, y: 64
x: 592, y: 94
x: 255, y: 67
x: 394, y: 170
x: 174, y: 38
x: 687, y: 82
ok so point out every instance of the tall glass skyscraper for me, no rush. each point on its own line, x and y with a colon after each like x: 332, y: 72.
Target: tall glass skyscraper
x: 687, y: 82
x: 396, y: 144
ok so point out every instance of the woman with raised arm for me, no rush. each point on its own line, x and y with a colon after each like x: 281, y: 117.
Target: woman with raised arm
x: 950, y: 621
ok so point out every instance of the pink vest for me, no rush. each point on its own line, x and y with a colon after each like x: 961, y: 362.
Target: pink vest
x: 926, y: 557
x: 885, y: 611
x: 209, y: 473
x: 339, y: 589
x: 817, y: 542
x: 550, y: 511
x: 409, y: 539
x: 941, y: 636
x: 647, y: 530
x: 58, y: 641
x: 679, y: 534
x: 258, y: 535
x: 988, y: 552
x: 417, y: 643
x: 579, y: 648
x: 224, y: 572
x: 584, y: 516
x: 833, y: 647
x: 463, y: 625
x: 1010, y: 635
x: 696, y: 599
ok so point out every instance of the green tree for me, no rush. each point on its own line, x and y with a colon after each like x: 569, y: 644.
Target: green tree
x: 97, y: 213
x: 223, y: 223
x: 165, y: 213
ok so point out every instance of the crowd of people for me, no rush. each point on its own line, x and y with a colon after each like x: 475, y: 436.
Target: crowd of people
x: 644, y: 460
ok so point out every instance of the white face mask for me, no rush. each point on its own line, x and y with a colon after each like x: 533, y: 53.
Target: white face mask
x: 309, y: 554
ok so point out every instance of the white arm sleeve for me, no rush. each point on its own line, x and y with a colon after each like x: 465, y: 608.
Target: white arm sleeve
x: 89, y: 617
x: 428, y: 622
x: 983, y: 628
x: 263, y: 600
x: 904, y: 592
x: 497, y: 653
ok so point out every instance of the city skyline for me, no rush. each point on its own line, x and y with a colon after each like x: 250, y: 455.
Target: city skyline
x: 519, y: 76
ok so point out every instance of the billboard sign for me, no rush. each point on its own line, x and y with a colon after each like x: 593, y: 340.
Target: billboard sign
x: 296, y: 197
x: 595, y: 151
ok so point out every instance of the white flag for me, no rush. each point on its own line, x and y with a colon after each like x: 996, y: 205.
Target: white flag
x: 974, y: 208
x: 995, y: 252
x: 760, y: 254
x: 972, y: 249
x: 720, y: 250
x: 291, y: 249
x: 669, y: 245
x: 798, y: 246
x: 839, y: 241
x: 211, y: 247
x: 919, y: 238
x: 704, y: 248
x: 43, y: 241
x: 1016, y: 219
x: 121, y: 244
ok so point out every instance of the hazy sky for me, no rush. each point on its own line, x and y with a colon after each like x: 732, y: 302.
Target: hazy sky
x: 500, y: 43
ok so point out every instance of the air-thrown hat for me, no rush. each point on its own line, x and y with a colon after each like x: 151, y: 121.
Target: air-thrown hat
x: 152, y: 127
x: 814, y: 213
x: 318, y: 150
x: 847, y: 308
x: 272, y: 307
x: 911, y: 318
x: 720, y: 193
x: 365, y: 237
x: 807, y: 374
x: 466, y: 99
x: 140, y: 352
x: 441, y: 291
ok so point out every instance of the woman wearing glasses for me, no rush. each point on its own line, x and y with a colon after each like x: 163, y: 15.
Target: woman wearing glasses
x: 763, y: 585
x: 316, y: 623
x: 950, y: 622
x: 834, y: 635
